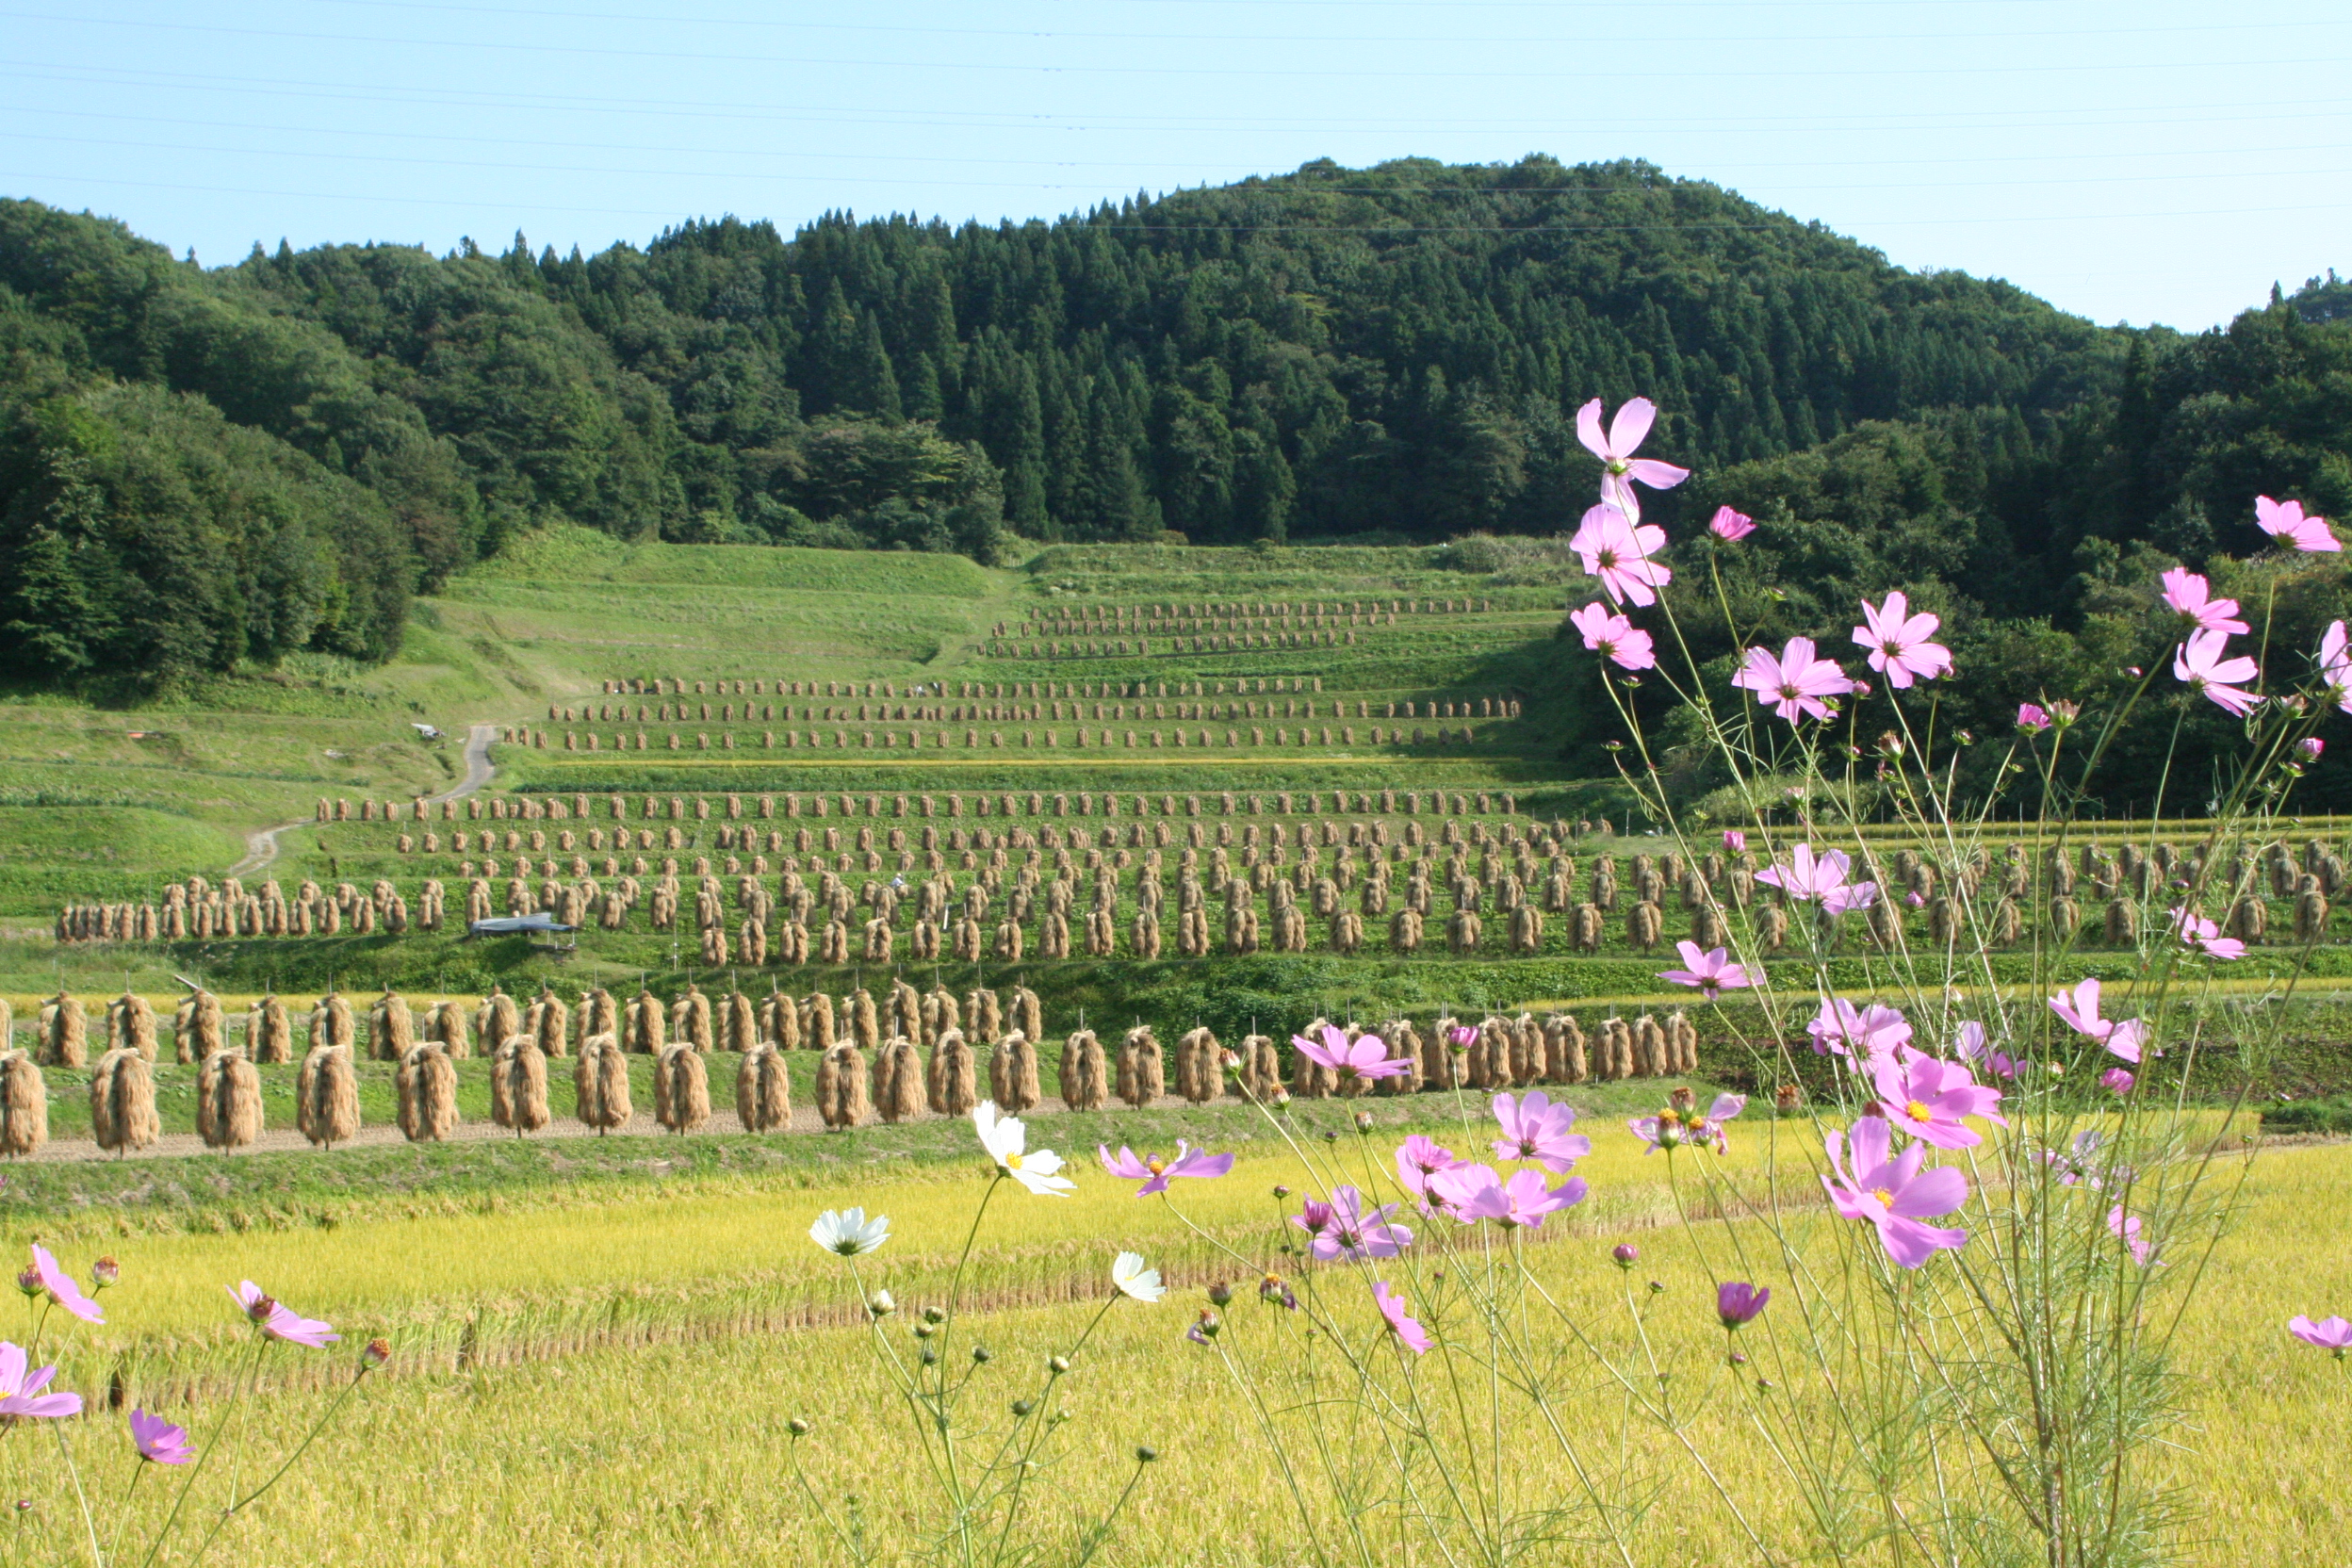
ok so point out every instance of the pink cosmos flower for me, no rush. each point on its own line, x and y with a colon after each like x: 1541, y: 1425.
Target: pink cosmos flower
x: 1898, y: 641
x: 1929, y: 1098
x: 1730, y: 526
x: 2329, y: 1333
x: 21, y: 1388
x: 60, y: 1287
x: 1621, y: 470
x: 1618, y: 550
x: 159, y: 1441
x: 1365, y: 1057
x: 1794, y: 683
x: 1419, y: 1158
x: 1155, y: 1172
x: 2286, y: 522
x: 2118, y: 1079
x: 1614, y: 637
x: 1346, y: 1232
x: 1415, y: 1338
x: 1535, y: 1129
x: 2079, y: 1009
x: 1841, y: 1029
x: 2198, y: 664
x: 1475, y: 1192
x: 2128, y: 1231
x: 1969, y: 1040
x: 2311, y: 745
x: 1711, y: 971
x: 1894, y: 1194
x: 2335, y: 666
x: 1461, y: 1037
x: 1671, y: 1130
x: 1808, y: 877
x: 1734, y: 840
x: 2032, y: 718
x: 2190, y: 594
x: 2206, y: 936
x: 282, y: 1322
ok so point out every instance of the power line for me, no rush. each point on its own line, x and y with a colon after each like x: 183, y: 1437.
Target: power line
x: 1027, y: 69
x: 1281, y: 191
x: 1190, y: 166
x: 2008, y: 35
x: 1679, y: 124
x: 1365, y: 229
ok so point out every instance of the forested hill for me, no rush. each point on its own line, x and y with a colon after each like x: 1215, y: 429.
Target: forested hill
x: 1388, y: 351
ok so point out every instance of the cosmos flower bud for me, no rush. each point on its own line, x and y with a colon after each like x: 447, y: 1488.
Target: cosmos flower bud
x: 1057, y: 1365
x: 880, y: 1304
x: 376, y: 1354
x: 1364, y: 1121
x: 797, y: 1425
x: 106, y: 1271
x: 1626, y: 1254
x: 1145, y: 1455
x: 30, y: 1282
x: 1221, y: 1294
x: 980, y: 1355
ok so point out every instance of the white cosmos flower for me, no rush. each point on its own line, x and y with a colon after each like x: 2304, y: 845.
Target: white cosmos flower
x: 1003, y: 1137
x: 1132, y: 1279
x: 850, y: 1233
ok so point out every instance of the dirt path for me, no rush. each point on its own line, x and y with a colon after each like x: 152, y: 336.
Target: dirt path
x: 261, y: 844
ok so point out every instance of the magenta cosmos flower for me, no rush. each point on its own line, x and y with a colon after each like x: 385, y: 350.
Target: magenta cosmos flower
x: 60, y: 1288
x: 282, y: 1322
x: 1614, y: 637
x: 1344, y: 1231
x: 1365, y: 1057
x: 2118, y: 1079
x: 1894, y: 1194
x: 2287, y: 522
x: 1475, y: 1192
x: 1155, y: 1172
x: 1929, y: 1098
x: 1414, y: 1337
x: 1730, y: 526
x: 2191, y: 596
x: 1734, y: 840
x: 1795, y: 683
x: 1621, y: 470
x: 1711, y: 971
x: 2329, y: 1333
x: 2205, y: 936
x: 159, y: 1441
x: 21, y: 1388
x: 2079, y: 1008
x: 1535, y: 1129
x: 1899, y: 641
x: 1738, y: 1303
x: 1617, y: 551
x: 2033, y: 718
x: 2199, y: 665
x: 1841, y: 1029
x: 1419, y: 1158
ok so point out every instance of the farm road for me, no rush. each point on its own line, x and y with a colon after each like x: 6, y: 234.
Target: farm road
x: 261, y: 844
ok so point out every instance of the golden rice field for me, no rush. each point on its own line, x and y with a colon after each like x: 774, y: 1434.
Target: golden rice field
x: 622, y: 1393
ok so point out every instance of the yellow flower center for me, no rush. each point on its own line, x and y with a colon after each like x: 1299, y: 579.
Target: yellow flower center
x: 1012, y: 1160
x: 1155, y: 1165
x: 1885, y: 1198
x: 1918, y: 1112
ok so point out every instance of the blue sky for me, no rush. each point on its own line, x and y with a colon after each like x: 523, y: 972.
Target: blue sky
x: 2154, y: 161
